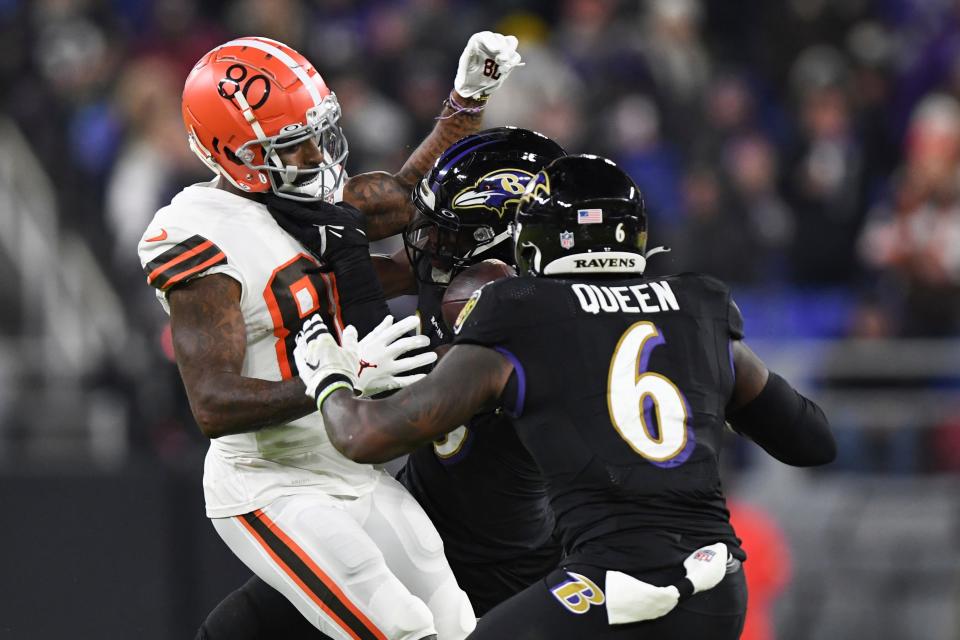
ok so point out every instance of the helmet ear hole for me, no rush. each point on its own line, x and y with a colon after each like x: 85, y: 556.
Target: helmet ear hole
x: 232, y: 157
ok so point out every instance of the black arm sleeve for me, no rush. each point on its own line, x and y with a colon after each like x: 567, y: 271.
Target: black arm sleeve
x: 362, y: 300
x: 790, y: 427
x: 337, y: 235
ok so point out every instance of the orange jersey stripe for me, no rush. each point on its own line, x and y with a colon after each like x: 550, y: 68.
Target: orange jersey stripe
x: 183, y: 256
x: 317, y: 571
x: 290, y: 572
x: 200, y: 267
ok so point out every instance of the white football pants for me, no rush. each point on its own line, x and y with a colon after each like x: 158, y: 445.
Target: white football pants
x: 368, y: 568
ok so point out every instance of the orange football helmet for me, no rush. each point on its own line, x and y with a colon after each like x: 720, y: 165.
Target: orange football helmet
x: 251, y: 96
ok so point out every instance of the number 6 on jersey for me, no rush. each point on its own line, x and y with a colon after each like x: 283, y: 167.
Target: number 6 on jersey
x: 630, y: 387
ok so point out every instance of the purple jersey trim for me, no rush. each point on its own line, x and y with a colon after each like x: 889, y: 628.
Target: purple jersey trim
x: 521, y: 382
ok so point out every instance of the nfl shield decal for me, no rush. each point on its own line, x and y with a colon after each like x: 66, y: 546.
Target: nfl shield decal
x: 566, y: 239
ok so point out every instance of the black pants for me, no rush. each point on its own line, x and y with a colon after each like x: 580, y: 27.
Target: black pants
x: 538, y: 613
x: 256, y: 611
x: 487, y: 585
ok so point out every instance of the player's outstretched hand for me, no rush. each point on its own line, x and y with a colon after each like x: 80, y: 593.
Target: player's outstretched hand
x: 485, y: 64
x: 321, y: 363
x: 632, y: 600
x: 383, y: 355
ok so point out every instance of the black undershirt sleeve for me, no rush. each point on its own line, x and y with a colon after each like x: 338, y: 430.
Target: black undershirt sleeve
x: 789, y: 426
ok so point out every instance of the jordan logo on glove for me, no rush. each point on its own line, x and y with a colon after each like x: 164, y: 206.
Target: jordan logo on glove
x: 370, y: 366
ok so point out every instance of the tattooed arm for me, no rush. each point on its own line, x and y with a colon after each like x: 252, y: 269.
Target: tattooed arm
x: 395, y: 274
x: 209, y: 340
x: 469, y: 378
x: 385, y: 198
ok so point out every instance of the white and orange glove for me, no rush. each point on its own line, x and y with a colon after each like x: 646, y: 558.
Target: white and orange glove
x: 369, y: 366
x: 485, y: 64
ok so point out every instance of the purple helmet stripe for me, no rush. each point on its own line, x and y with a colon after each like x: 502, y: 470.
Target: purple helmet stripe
x: 446, y: 167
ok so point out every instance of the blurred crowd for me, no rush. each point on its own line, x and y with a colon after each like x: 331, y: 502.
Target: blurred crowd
x: 806, y: 151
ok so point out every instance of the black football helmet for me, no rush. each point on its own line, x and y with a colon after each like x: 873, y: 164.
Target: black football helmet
x: 465, y: 204
x: 581, y: 215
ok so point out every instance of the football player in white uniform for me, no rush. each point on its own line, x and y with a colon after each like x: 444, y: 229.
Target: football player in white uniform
x: 342, y: 541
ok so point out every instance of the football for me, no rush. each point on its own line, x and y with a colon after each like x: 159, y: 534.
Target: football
x: 469, y: 280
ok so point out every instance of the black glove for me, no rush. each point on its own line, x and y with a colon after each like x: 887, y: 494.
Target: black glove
x: 336, y: 235
x: 321, y: 227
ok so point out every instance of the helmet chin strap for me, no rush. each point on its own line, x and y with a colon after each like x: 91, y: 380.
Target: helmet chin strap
x: 290, y: 174
x: 313, y: 188
x: 439, y: 275
x: 497, y: 239
x: 321, y: 176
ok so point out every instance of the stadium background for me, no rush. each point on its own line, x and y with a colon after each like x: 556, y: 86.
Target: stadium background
x: 806, y: 151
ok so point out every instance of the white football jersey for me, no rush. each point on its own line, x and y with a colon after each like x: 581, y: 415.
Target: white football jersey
x: 206, y: 230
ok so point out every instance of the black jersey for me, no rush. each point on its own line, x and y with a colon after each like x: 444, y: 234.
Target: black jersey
x: 621, y: 392
x: 483, y: 492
